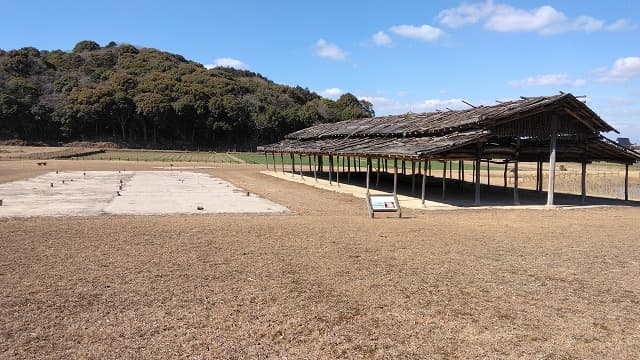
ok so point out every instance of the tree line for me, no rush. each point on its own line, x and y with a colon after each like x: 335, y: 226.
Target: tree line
x: 147, y: 97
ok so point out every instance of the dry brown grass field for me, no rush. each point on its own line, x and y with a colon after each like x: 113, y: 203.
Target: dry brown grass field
x: 322, y: 282
x: 39, y: 152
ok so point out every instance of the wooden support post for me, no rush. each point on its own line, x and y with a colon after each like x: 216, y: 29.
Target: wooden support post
x: 338, y: 170
x: 539, y: 179
x: 473, y: 173
x: 282, y: 161
x: 348, y: 170
x: 488, y: 173
x: 424, y: 182
x: 315, y: 172
x: 429, y: 165
x: 300, y: 156
x: 516, y: 196
x: 552, y: 159
x: 309, y: 161
x: 395, y: 176
x: 460, y: 184
x: 378, y: 173
x: 273, y: 156
x: 330, y: 169
x: 450, y: 169
x: 583, y: 183
x: 626, y: 182
x: 444, y: 178
x: 516, y: 181
x: 293, y: 165
x: 386, y: 166
x: 343, y: 164
x: 462, y: 168
x: 506, y: 164
x: 413, y: 177
x: 368, y: 174
x: 537, y: 174
x: 477, y: 176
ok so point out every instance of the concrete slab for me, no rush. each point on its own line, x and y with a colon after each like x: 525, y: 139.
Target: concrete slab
x: 143, y: 193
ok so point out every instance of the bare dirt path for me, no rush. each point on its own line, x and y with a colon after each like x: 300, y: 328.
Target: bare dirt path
x: 324, y: 282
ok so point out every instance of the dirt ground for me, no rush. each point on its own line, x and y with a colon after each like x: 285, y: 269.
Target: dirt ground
x: 322, y: 282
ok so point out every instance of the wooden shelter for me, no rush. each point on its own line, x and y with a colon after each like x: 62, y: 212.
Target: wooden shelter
x: 532, y: 129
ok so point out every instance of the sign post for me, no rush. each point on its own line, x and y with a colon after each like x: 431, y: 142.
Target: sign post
x: 383, y: 203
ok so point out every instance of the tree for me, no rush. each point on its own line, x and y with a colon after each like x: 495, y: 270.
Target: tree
x: 123, y: 109
x: 86, y: 45
x: 18, y: 63
x: 154, y: 106
x: 352, y: 108
x: 127, y: 49
x: 124, y: 82
x: 65, y: 84
x: 192, y: 110
x: 92, y: 106
x: 18, y: 100
x: 9, y: 115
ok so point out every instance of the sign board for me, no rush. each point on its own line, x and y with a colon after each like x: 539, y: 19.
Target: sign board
x: 383, y: 203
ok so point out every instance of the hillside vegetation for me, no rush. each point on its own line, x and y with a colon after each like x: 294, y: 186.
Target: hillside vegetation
x: 147, y: 97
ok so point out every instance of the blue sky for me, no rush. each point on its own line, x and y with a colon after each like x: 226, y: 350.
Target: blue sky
x: 401, y: 55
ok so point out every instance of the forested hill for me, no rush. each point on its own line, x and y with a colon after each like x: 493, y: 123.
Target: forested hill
x: 143, y: 96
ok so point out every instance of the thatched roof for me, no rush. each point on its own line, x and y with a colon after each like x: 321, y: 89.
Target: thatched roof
x: 379, y: 146
x: 446, y: 122
x: 521, y: 126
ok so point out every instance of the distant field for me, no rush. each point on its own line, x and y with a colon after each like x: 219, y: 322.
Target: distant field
x: 165, y: 156
x: 40, y: 152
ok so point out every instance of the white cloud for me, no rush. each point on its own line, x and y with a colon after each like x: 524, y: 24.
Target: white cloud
x: 587, y: 23
x: 466, y: 14
x: 424, y: 32
x: 383, y: 105
x: 440, y: 104
x: 548, y: 80
x: 228, y: 62
x: 622, y: 25
x: 545, y: 19
x: 332, y: 93
x: 327, y: 50
x: 622, y: 113
x: 381, y: 39
x: 623, y: 69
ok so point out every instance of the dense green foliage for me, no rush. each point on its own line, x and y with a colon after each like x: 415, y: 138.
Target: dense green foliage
x: 148, y: 97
